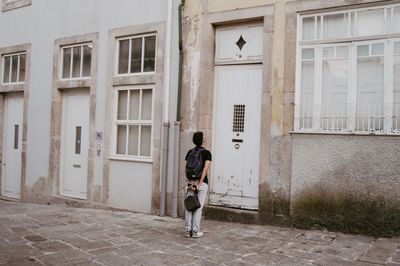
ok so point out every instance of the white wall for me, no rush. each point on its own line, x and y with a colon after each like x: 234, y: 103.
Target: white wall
x: 130, y: 186
x: 43, y: 22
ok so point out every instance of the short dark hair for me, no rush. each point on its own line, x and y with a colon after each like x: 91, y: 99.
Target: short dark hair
x: 198, y: 138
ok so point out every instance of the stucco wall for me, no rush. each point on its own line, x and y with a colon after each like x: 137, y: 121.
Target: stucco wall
x: 363, y: 164
x: 130, y: 186
x: 45, y: 21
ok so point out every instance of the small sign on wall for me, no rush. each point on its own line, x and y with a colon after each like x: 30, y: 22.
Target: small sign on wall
x: 99, y: 136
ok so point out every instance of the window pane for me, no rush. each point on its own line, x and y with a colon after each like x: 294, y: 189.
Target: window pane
x: 22, y: 62
x: 87, y: 60
x: 123, y: 56
x: 149, y: 53
x: 122, y: 105
x: 370, y: 77
x: 6, y: 71
x: 134, y: 104
x: 146, y: 104
x: 328, y: 52
x: 396, y: 19
x: 362, y: 50
x: 342, y: 51
x: 66, y: 63
x: 308, y: 28
x: 397, y: 47
x: 308, y: 53
x: 370, y: 22
x: 335, y: 26
x: 136, y: 57
x: 377, y: 49
x: 334, y: 94
x: 76, y: 62
x: 133, y: 147
x: 145, y: 140
x: 14, y: 68
x: 307, y: 94
x: 396, y: 92
x: 121, y: 139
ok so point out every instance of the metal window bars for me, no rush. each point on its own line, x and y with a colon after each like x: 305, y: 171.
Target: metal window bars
x: 363, y: 118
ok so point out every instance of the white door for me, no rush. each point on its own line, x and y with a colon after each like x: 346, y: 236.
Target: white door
x: 74, y: 144
x: 236, y: 145
x: 12, y: 149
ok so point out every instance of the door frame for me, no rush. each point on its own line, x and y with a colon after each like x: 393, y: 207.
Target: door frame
x: 214, y: 120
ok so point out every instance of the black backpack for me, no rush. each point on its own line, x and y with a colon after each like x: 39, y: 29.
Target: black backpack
x: 194, y: 163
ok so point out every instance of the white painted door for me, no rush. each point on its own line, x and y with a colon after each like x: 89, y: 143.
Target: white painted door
x: 12, y: 149
x: 74, y: 144
x: 236, y: 145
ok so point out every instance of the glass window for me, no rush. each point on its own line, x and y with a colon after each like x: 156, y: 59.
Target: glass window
x: 76, y: 61
x: 334, y: 91
x: 347, y: 82
x: 149, y: 53
x: 396, y: 19
x: 134, y: 131
x: 14, y: 66
x: 123, y: 56
x: 137, y: 55
x: 335, y: 26
x: 87, y: 60
x: 396, y: 87
x: 370, y: 22
x: 370, y: 82
x: 309, y: 28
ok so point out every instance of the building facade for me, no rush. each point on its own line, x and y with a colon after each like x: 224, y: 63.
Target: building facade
x: 299, y: 101
x: 88, y: 89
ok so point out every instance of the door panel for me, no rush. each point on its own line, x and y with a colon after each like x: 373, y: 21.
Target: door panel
x: 236, y: 136
x: 74, y: 144
x: 12, y: 151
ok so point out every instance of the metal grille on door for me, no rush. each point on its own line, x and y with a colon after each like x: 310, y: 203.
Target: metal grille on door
x: 238, y: 117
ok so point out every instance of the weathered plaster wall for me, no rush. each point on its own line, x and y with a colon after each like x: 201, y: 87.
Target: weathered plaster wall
x: 343, y: 182
x: 347, y: 183
x: 223, y: 5
x: 201, y: 18
x: 363, y: 164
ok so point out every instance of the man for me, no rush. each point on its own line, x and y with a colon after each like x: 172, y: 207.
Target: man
x: 199, y: 184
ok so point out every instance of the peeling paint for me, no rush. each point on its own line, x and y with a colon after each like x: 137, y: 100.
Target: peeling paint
x: 223, y: 5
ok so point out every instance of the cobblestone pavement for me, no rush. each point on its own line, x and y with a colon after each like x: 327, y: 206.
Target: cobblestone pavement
x: 58, y: 235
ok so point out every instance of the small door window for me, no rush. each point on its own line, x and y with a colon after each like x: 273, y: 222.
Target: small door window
x: 238, y: 117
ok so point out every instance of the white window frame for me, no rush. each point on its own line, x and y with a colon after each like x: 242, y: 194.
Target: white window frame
x: 11, y: 65
x: 352, y: 42
x: 143, y: 36
x: 81, y: 45
x: 128, y: 122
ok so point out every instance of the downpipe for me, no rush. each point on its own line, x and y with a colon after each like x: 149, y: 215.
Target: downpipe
x: 166, y: 126
x: 177, y: 124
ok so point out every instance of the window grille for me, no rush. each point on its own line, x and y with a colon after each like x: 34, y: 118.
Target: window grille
x: 238, y: 118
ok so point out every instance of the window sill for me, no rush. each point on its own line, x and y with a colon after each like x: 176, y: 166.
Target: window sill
x: 10, y: 5
x: 345, y: 133
x: 130, y: 159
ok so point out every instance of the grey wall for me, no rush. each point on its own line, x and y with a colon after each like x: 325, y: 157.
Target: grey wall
x: 364, y: 165
x: 43, y: 22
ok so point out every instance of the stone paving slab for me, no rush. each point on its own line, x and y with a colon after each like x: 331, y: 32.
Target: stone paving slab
x: 33, y: 234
